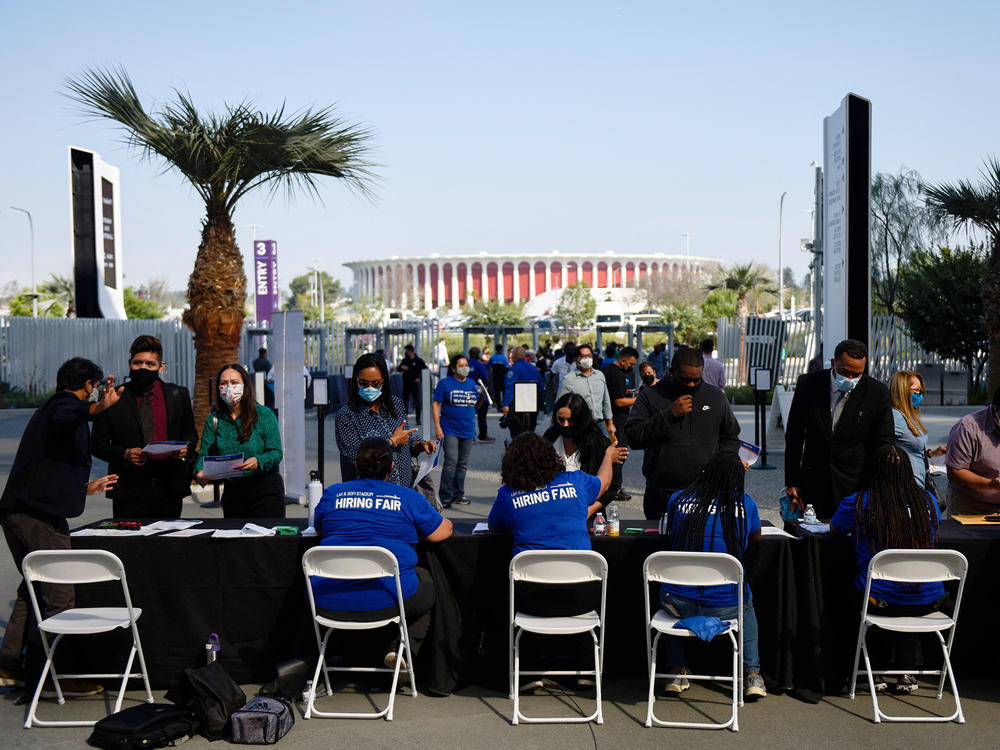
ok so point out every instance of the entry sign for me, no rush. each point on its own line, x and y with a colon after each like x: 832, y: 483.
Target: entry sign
x: 265, y: 280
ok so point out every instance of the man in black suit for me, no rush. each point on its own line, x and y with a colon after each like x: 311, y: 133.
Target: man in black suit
x: 148, y: 411
x: 839, y: 417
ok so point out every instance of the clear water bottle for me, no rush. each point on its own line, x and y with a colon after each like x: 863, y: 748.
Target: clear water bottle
x: 614, y: 521
x: 809, y: 516
x: 600, y: 525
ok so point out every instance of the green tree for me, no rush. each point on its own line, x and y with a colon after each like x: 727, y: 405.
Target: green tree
x: 495, y: 313
x: 901, y: 224
x: 939, y: 297
x: 577, y: 306
x: 365, y: 309
x: 137, y: 306
x: 60, y: 288
x: 746, y: 281
x: 720, y: 303
x: 48, y: 307
x: 301, y: 298
x: 978, y: 206
x: 690, y: 325
x: 225, y: 157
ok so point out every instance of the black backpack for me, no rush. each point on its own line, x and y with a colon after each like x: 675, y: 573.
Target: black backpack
x: 212, y: 694
x: 147, y: 725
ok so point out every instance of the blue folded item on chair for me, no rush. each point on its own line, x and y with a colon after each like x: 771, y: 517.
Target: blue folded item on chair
x: 702, y: 626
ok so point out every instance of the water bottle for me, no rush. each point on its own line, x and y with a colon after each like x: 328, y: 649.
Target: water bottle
x: 600, y: 525
x: 809, y: 516
x: 212, y: 647
x: 315, y: 493
x: 614, y: 521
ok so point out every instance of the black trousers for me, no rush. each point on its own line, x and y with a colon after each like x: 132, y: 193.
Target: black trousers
x: 412, y: 390
x: 521, y: 422
x: 481, y: 410
x: 654, y: 501
x: 261, y: 496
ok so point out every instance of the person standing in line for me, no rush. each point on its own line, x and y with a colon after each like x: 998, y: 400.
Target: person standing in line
x: 481, y: 378
x: 973, y: 462
x: 658, y: 359
x: 680, y: 425
x: 498, y: 365
x: 906, y: 389
x: 150, y: 410
x: 454, y: 405
x: 589, y: 383
x: 263, y: 364
x: 48, y: 483
x: 522, y: 371
x: 441, y: 354
x: 237, y: 425
x: 618, y: 374
x: 411, y: 366
x: 715, y: 371
x: 838, y: 419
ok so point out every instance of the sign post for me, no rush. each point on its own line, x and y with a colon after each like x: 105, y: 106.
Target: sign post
x: 265, y: 280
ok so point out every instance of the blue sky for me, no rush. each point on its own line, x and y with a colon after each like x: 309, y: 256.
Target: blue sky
x: 515, y: 126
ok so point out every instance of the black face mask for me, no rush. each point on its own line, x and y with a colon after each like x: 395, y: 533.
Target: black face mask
x: 648, y: 378
x: 627, y: 369
x: 142, y: 380
x: 686, y: 390
x: 567, y: 430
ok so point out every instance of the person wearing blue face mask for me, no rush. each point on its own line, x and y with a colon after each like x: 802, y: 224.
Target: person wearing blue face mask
x: 906, y: 388
x: 838, y: 419
x: 373, y: 411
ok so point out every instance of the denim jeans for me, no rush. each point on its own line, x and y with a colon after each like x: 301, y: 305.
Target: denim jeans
x: 690, y: 607
x: 456, y: 461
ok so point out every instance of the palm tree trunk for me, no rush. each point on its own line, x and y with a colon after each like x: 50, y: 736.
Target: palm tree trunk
x: 991, y: 315
x: 217, y: 295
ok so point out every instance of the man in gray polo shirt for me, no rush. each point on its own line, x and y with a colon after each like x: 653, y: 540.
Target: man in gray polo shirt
x: 590, y: 384
x: 973, y: 462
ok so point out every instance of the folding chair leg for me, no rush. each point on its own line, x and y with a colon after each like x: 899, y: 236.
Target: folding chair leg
x: 125, y: 676
x: 862, y: 630
x: 597, y: 677
x: 652, y: 679
x: 959, y: 716
x: 517, y: 677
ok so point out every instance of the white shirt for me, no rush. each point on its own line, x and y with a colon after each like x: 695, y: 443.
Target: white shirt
x: 559, y: 368
x: 572, y: 462
x: 441, y: 353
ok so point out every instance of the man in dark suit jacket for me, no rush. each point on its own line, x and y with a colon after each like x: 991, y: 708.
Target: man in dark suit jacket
x: 838, y: 418
x: 148, y: 411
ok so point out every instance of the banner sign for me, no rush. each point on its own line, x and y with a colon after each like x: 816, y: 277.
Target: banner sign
x: 265, y: 280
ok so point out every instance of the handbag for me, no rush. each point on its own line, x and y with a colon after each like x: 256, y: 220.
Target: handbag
x: 262, y: 721
x: 790, y: 509
x: 147, y: 725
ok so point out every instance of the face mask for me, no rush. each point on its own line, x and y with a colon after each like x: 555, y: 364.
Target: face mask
x: 916, y: 399
x: 845, y: 384
x: 627, y: 369
x: 585, y: 363
x: 370, y: 394
x: 142, y: 380
x: 462, y: 372
x: 567, y: 430
x: 688, y: 390
x: 231, y: 394
x: 647, y: 378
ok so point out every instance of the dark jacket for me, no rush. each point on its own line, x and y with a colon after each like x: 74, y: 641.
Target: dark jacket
x: 675, y: 449
x: 52, y: 465
x: 827, y: 464
x: 590, y: 462
x: 119, y: 428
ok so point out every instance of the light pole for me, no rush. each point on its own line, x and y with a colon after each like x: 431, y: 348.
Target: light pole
x: 687, y: 243
x: 34, y: 291
x: 781, y: 272
x: 319, y: 289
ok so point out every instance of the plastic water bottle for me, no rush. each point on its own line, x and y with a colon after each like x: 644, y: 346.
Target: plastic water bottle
x: 809, y: 516
x: 600, y: 525
x: 614, y: 521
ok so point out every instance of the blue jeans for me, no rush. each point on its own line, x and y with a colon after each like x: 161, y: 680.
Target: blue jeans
x: 691, y: 607
x: 456, y: 462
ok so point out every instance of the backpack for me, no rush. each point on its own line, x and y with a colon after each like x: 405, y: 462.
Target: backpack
x: 147, y: 725
x: 212, y: 694
x: 262, y: 721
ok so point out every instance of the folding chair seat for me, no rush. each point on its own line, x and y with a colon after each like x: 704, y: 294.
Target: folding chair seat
x: 557, y: 567
x: 913, y: 566
x: 355, y: 564
x: 79, y: 567
x: 693, y: 569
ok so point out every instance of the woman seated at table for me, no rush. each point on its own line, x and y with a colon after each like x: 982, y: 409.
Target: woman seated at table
x: 373, y: 411
x: 238, y: 425
x: 894, y: 514
x: 906, y: 389
x: 372, y: 511
x: 578, y: 440
x: 713, y: 514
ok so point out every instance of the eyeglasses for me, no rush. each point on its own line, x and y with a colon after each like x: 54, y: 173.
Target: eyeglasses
x: 369, y: 384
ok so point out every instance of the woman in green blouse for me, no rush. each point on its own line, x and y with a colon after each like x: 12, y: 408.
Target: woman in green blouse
x: 236, y: 425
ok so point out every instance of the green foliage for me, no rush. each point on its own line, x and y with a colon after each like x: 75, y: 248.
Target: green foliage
x: 721, y: 303
x: 48, y: 307
x: 365, y: 309
x: 577, y: 306
x: 140, y: 307
x: 496, y: 313
x: 15, y: 398
x: 748, y: 283
x: 301, y: 288
x: 939, y: 297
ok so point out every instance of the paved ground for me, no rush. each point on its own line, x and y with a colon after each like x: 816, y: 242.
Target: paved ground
x: 474, y: 717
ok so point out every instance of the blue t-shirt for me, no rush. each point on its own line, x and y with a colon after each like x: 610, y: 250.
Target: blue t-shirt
x: 551, y: 517
x: 370, y: 512
x: 478, y: 371
x: 458, y: 406
x: 714, y: 541
x: 845, y: 521
x: 499, y: 359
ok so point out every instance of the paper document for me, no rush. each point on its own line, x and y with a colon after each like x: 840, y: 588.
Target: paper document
x: 481, y: 528
x: 177, y: 525
x: 249, y: 530
x: 525, y: 398
x: 774, y: 531
x: 749, y: 452
x: 163, y: 447
x: 189, y: 532
x: 427, y: 463
x: 223, y: 467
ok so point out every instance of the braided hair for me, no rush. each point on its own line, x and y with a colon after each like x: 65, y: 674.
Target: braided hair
x: 898, y: 513
x: 716, y: 492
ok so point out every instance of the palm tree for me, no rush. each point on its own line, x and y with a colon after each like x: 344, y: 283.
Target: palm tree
x: 746, y: 281
x: 61, y: 288
x: 224, y: 158
x: 967, y: 206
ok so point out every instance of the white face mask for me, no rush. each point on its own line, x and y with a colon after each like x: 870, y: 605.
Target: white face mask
x: 231, y: 394
x: 585, y: 363
x: 462, y: 372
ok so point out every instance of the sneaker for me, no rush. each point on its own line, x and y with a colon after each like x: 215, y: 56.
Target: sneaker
x: 530, y: 687
x: 445, y: 505
x: 623, y: 497
x: 72, y: 688
x: 11, y: 678
x: 586, y: 683
x: 880, y: 684
x: 463, y: 500
x: 390, y: 661
x: 906, y: 684
x: 754, y: 686
x: 487, y: 439
x: 677, y: 685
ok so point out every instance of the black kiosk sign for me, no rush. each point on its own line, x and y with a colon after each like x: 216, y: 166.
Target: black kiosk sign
x: 108, y: 213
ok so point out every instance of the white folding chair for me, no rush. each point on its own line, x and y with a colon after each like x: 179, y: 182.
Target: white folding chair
x: 693, y: 569
x: 355, y: 564
x: 913, y: 566
x: 77, y: 567
x: 557, y: 567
